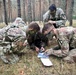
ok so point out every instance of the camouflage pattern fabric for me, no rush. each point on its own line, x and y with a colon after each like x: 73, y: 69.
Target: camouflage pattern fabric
x: 12, y: 39
x: 59, y: 17
x: 71, y: 56
x: 66, y: 38
x: 20, y: 23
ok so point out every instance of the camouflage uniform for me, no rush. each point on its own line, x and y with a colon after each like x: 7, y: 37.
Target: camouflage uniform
x: 66, y: 38
x: 59, y: 17
x: 20, y: 23
x: 12, y: 39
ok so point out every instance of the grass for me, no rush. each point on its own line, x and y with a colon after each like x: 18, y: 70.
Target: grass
x: 30, y: 64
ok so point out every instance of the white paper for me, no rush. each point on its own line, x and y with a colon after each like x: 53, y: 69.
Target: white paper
x: 42, y: 55
x: 46, y: 62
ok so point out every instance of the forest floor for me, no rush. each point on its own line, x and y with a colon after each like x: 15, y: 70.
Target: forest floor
x: 30, y: 64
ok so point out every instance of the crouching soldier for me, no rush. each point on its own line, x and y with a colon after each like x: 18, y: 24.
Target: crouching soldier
x: 35, y: 38
x: 12, y: 39
x: 56, y: 16
x: 66, y: 39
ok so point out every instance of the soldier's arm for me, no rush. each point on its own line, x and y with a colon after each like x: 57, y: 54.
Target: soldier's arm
x: 63, y: 51
x: 62, y: 20
x: 63, y: 44
x: 46, y: 16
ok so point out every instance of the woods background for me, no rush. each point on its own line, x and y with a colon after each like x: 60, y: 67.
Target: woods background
x: 33, y: 10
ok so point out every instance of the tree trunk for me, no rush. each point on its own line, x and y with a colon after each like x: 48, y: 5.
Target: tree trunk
x: 24, y: 14
x: 33, y: 10
x: 29, y: 11
x: 0, y: 11
x: 40, y: 10
x: 71, y: 12
x: 63, y: 5
x: 5, y: 12
x: 67, y: 8
x: 19, y: 8
x: 9, y: 10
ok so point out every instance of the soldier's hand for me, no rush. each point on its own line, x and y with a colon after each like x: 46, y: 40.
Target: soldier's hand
x: 48, y: 51
x: 37, y: 49
x: 52, y: 22
x: 25, y: 43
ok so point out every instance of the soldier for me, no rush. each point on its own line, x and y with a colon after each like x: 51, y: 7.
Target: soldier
x: 12, y: 38
x: 66, y: 39
x: 20, y: 23
x: 55, y: 16
x: 35, y: 38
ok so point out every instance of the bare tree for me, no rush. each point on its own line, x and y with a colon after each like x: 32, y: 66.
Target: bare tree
x: 29, y: 11
x: 67, y: 9
x: 24, y: 14
x: 40, y: 9
x: 71, y: 12
x: 19, y: 8
x: 33, y: 2
x: 5, y: 12
x: 1, y: 10
x: 9, y: 10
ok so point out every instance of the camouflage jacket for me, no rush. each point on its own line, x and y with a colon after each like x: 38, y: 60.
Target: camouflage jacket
x: 12, y: 37
x: 66, y: 38
x: 59, y: 17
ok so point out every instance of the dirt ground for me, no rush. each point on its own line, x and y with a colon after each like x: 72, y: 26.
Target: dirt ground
x: 30, y: 64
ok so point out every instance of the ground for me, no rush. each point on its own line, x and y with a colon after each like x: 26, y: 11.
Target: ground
x: 30, y: 64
